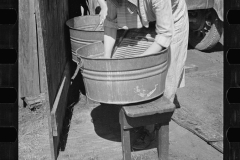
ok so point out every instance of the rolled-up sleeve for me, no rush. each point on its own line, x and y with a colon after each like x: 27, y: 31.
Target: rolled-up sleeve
x: 111, y: 19
x: 164, y: 22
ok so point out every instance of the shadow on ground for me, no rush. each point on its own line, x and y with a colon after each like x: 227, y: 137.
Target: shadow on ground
x: 106, y: 122
x: 105, y: 118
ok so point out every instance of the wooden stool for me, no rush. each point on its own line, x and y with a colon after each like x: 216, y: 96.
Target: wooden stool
x: 158, y: 111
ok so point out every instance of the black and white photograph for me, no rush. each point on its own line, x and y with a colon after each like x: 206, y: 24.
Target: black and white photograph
x: 121, y: 80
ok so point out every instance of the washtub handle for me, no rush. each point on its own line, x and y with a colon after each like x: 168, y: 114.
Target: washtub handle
x: 79, y: 65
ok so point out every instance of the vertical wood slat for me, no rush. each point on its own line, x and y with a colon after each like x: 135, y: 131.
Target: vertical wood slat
x: 43, y: 73
x: 28, y: 56
x: 51, y: 17
x: 54, y: 109
x: 59, y: 108
x: 125, y: 137
x: 54, y: 42
x: 163, y: 142
x: 32, y: 70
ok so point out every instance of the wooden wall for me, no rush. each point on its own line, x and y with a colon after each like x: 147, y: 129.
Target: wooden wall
x: 45, y: 64
x: 53, y: 15
x: 56, y: 13
x: 28, y: 55
x: 45, y: 58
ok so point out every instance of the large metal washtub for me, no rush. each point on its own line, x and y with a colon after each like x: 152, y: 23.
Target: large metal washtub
x: 122, y: 81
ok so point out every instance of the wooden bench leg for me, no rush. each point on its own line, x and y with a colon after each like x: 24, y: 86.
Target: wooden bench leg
x: 163, y: 142
x: 125, y: 136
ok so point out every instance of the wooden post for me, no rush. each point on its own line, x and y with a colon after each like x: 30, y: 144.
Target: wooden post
x: 43, y: 72
x: 125, y: 137
x: 163, y: 142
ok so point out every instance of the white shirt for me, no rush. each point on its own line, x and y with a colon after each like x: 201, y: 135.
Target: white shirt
x: 166, y: 13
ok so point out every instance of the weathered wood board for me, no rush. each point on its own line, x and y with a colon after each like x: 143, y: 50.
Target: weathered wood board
x: 55, y: 36
x: 45, y: 58
x: 28, y: 55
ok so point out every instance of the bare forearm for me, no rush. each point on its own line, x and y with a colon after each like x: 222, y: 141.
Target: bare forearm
x: 109, y: 40
x: 154, y: 48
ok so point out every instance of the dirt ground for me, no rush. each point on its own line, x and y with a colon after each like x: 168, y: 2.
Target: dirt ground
x: 93, y: 131
x: 97, y: 137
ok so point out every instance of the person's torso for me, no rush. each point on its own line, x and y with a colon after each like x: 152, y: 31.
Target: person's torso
x: 144, y: 13
x: 178, y: 9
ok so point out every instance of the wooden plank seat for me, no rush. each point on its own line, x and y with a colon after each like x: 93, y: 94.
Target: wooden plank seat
x: 158, y: 111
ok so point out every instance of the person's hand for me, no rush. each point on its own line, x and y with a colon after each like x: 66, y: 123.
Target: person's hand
x: 103, y: 14
x: 154, y: 48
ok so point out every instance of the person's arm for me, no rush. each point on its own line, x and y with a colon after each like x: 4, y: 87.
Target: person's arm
x: 154, y: 48
x: 109, y: 41
x: 164, y: 26
x: 108, y: 16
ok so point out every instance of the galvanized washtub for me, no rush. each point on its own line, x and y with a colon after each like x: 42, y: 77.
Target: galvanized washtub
x: 122, y: 81
x: 84, y: 30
